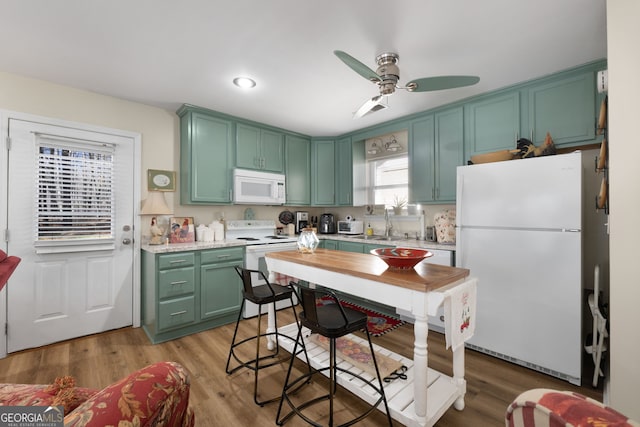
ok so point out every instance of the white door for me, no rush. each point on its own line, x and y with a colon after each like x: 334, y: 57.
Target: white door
x: 70, y: 218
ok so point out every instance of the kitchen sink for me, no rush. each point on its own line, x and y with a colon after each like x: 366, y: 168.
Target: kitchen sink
x: 364, y: 237
x: 378, y: 238
x: 390, y: 238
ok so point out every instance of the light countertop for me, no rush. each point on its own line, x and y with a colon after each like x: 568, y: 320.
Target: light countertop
x: 197, y: 246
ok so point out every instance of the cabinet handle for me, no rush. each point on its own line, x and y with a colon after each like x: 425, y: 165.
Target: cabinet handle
x: 179, y: 282
x: 177, y: 313
x: 177, y: 261
x: 223, y: 256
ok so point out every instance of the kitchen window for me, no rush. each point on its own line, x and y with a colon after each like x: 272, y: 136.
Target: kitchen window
x: 388, y: 180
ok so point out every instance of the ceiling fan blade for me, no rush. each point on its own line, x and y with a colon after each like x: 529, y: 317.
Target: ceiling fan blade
x: 371, y: 105
x: 357, y: 66
x: 440, y: 83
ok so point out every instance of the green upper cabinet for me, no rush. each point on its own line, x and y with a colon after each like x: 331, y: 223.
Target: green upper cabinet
x: 435, y: 151
x: 492, y: 124
x: 344, y: 172
x: 259, y: 149
x: 206, y: 157
x: 298, y: 170
x: 563, y: 107
x: 323, y: 171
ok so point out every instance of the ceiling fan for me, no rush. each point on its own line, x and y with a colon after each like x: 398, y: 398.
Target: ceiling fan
x: 387, y: 75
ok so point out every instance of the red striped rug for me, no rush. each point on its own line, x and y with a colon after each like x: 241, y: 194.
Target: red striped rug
x: 377, y: 323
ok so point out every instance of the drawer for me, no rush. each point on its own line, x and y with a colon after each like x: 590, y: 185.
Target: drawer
x: 182, y: 259
x: 176, y: 312
x: 176, y: 282
x: 221, y: 255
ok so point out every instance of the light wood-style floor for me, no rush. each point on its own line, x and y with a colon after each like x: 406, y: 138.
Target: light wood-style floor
x: 219, y: 399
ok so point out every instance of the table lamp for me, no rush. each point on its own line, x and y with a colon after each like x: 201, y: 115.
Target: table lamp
x: 155, y: 204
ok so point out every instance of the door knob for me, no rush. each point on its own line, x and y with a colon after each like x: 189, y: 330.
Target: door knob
x: 126, y: 241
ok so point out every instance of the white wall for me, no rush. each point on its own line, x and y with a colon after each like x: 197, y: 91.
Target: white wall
x: 623, y: 34
x: 159, y: 128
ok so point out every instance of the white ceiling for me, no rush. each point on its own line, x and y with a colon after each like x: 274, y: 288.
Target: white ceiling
x: 167, y: 52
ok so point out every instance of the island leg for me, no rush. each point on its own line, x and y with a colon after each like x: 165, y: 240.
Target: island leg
x: 420, y: 359
x: 458, y: 377
x: 271, y: 318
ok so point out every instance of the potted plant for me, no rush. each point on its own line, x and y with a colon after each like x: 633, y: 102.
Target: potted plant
x: 399, y: 202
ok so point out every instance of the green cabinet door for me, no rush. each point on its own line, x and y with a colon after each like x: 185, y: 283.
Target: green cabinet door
x: 492, y: 124
x: 220, y: 290
x: 344, y: 172
x: 247, y: 147
x: 272, y: 151
x: 298, y: 170
x: 330, y: 244
x: 259, y: 149
x: 350, y: 246
x: 435, y: 151
x: 323, y: 172
x: 421, y: 160
x: 448, y: 152
x: 206, y: 158
x: 565, y: 108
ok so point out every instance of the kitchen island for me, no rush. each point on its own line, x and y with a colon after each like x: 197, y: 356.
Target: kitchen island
x: 426, y: 394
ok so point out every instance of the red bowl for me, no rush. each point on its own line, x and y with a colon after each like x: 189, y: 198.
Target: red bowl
x: 401, y: 258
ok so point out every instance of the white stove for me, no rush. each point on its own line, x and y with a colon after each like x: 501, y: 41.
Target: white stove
x: 256, y: 232
x: 260, y: 237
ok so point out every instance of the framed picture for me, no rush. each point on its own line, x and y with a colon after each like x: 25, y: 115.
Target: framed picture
x: 158, y: 180
x: 181, y: 230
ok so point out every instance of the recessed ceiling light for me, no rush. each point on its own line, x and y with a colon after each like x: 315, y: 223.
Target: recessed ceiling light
x: 244, y: 82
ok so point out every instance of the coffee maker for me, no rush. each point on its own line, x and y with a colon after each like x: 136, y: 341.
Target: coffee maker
x: 302, y: 220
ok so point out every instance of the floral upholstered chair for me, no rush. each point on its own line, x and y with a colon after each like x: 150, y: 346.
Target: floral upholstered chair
x: 550, y: 408
x: 157, y: 395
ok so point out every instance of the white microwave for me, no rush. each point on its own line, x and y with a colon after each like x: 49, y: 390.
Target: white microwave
x: 258, y: 188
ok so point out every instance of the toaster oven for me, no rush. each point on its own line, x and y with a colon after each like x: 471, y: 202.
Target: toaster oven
x: 350, y: 227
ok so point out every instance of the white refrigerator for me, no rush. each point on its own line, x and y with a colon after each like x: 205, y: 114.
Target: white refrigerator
x: 520, y: 232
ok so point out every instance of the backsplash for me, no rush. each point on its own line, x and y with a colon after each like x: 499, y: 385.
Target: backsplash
x: 206, y: 214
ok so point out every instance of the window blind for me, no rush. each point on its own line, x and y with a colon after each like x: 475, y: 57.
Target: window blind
x: 75, y: 191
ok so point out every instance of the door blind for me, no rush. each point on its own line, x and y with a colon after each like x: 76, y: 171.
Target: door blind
x: 75, y: 192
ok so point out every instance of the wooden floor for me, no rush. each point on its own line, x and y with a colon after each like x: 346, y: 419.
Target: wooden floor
x: 219, y: 399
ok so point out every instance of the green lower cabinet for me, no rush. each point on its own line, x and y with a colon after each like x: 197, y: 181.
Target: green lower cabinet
x: 220, y: 291
x: 350, y: 246
x: 190, y: 291
x: 329, y: 244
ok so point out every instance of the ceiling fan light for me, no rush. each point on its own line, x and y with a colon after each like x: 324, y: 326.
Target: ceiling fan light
x: 372, y: 105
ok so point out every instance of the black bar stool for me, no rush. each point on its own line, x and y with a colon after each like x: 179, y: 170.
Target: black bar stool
x: 331, y: 321
x: 261, y: 295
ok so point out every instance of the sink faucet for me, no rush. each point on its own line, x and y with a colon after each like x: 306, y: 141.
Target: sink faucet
x: 387, y: 224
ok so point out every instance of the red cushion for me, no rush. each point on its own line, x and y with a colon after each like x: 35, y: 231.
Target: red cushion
x: 41, y: 395
x: 156, y: 395
x: 7, y: 265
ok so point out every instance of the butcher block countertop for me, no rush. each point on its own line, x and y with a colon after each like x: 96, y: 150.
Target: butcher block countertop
x: 423, y: 277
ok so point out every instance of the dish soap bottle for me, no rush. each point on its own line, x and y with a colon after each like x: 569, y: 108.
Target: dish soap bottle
x: 369, y: 230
